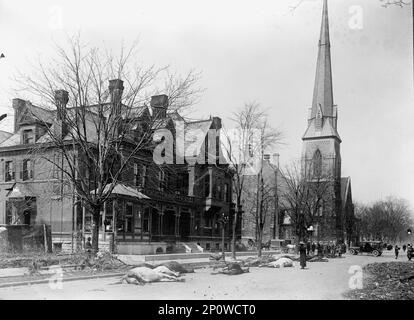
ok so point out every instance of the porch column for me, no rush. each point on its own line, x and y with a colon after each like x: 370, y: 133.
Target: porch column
x: 83, y: 224
x: 210, y: 174
x: 191, y: 180
x: 150, y: 212
x: 177, y: 221
x: 161, y: 214
x: 103, y: 222
x: 114, y: 227
x: 142, y: 213
x: 192, y: 222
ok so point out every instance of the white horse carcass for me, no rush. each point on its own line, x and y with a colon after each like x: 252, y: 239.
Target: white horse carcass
x: 142, y: 275
x: 281, y: 263
x: 165, y: 270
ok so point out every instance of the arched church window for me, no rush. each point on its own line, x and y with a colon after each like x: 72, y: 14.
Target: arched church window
x: 317, y: 163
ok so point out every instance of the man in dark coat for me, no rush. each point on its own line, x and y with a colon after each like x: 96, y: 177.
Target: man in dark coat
x: 409, y: 251
x: 319, y: 249
x: 396, y: 251
x: 308, y: 247
x: 313, y: 248
x: 302, y: 254
x: 404, y: 247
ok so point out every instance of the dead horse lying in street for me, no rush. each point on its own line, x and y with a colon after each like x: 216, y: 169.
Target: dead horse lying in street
x: 232, y: 269
x: 143, y: 275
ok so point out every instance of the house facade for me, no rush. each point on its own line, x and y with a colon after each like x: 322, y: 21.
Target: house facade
x: 152, y: 208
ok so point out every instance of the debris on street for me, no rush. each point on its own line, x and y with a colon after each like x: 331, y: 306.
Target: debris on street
x: 386, y: 281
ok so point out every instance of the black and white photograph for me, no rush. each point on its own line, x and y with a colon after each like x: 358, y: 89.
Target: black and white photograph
x: 220, y: 152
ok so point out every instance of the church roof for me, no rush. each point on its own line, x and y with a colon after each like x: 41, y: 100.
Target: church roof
x: 327, y: 130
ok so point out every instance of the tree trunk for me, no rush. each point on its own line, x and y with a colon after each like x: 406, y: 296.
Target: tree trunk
x: 259, y: 242
x: 95, y: 229
x: 234, y: 227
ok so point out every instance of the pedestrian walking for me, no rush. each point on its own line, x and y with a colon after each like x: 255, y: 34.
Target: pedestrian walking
x: 319, y: 249
x: 409, y: 251
x: 88, y: 245
x: 404, y: 247
x: 313, y: 248
x: 308, y: 247
x: 302, y: 254
x: 396, y: 250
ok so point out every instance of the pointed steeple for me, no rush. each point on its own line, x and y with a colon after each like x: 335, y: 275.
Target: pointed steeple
x: 322, y: 92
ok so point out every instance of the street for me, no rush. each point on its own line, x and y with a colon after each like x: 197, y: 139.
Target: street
x: 321, y: 280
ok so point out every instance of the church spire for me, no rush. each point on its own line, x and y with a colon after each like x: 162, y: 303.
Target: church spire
x: 322, y: 92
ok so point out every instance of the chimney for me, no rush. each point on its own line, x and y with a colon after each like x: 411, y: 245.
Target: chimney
x: 60, y: 127
x: 275, y: 159
x: 116, y: 88
x: 18, y: 106
x: 159, y: 106
x: 217, y: 122
x: 61, y: 100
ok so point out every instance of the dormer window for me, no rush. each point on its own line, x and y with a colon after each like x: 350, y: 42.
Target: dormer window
x: 9, y: 171
x: 28, y: 136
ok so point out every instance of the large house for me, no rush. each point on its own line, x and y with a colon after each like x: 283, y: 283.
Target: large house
x: 152, y: 207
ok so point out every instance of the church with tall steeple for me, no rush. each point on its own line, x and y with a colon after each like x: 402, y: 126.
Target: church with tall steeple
x: 321, y: 156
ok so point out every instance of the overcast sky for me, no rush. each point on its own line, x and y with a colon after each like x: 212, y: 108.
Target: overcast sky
x: 255, y: 51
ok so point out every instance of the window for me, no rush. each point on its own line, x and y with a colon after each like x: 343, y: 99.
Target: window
x: 161, y: 180
x: 109, y: 217
x: 227, y: 192
x: 27, y: 172
x: 57, y: 162
x: 317, y: 164
x: 217, y: 147
x: 9, y: 171
x: 207, y: 185
x: 129, y: 217
x: 144, y: 176
x: 137, y: 176
x: 219, y: 191
x: 145, y: 222
x: 28, y: 136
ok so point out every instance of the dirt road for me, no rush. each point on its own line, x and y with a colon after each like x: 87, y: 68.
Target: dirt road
x: 321, y: 280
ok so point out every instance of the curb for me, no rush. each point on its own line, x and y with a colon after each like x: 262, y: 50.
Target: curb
x: 43, y: 281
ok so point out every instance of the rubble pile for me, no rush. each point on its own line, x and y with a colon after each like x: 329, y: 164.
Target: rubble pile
x: 386, y: 281
x: 317, y: 259
x: 102, y: 261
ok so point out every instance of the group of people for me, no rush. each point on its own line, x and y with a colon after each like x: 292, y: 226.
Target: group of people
x: 329, y: 249
x: 409, y: 248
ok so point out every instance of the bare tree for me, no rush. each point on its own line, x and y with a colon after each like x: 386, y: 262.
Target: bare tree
x: 243, y: 146
x: 385, y: 220
x: 98, y: 131
x: 305, y: 196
